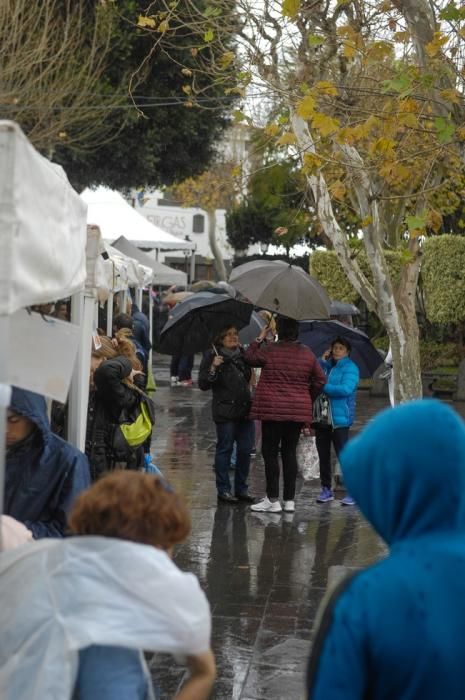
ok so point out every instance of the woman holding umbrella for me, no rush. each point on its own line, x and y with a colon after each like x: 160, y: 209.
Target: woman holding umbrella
x: 224, y: 372
x: 341, y: 388
x: 290, y: 378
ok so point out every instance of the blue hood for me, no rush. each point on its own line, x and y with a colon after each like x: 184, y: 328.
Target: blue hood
x: 32, y: 406
x: 406, y: 471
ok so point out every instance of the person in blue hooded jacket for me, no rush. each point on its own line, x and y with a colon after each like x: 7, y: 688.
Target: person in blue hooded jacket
x: 341, y: 388
x: 43, y: 473
x: 394, y: 631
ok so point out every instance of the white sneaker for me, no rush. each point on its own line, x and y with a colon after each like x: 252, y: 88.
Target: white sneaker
x: 289, y: 506
x: 267, y: 506
x: 174, y: 381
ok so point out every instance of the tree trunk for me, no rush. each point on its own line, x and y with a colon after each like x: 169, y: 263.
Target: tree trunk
x: 396, y: 310
x: 214, y: 247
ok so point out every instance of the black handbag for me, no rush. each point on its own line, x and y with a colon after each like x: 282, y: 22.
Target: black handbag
x: 322, y: 414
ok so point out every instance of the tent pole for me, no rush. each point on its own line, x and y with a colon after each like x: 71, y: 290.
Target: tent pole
x: 110, y: 315
x: 5, y: 395
x: 192, y: 268
x: 82, y: 314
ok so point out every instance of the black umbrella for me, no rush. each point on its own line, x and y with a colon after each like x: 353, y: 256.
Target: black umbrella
x: 343, y: 308
x: 194, y: 323
x: 318, y: 336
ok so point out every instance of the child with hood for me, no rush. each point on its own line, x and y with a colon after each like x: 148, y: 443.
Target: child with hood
x: 395, y: 629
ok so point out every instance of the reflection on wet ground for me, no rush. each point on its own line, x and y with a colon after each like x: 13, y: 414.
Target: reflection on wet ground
x: 265, y: 575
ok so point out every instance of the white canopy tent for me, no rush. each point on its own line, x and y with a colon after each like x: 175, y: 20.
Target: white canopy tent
x: 162, y: 274
x: 42, y: 242
x: 115, y: 217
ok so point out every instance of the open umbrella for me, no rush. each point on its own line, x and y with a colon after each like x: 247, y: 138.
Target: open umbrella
x: 318, y: 336
x: 249, y: 333
x: 286, y: 289
x: 343, y: 308
x: 194, y: 323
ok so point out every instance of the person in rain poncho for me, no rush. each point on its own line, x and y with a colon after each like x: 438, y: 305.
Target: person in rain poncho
x: 43, y: 473
x: 395, y: 630
x: 78, y: 612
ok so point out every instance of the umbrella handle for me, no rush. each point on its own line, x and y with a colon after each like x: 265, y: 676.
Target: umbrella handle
x: 215, y: 350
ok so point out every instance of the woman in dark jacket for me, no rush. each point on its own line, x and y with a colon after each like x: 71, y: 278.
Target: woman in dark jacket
x: 228, y: 376
x: 290, y: 378
x: 114, y: 367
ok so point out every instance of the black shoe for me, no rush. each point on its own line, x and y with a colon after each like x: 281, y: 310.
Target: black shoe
x: 246, y: 497
x: 227, y: 498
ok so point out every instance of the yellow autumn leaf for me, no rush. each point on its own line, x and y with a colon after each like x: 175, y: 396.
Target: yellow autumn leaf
x: 306, y: 107
x: 379, y: 50
x: 271, y: 130
x: 460, y: 133
x: 394, y: 173
x: 324, y: 124
x: 163, y: 26
x: 402, y: 37
x: 226, y: 59
x: 326, y: 88
x: 349, y: 49
x: 409, y: 119
x: 311, y: 163
x: 452, y: 96
x: 383, y: 146
x: 338, y: 190
x: 409, y: 105
x: 290, y: 8
x: 187, y: 72
x: 143, y: 21
x: 287, y: 139
x: 434, y: 47
x: 366, y: 221
x: 434, y: 220
x: 187, y: 89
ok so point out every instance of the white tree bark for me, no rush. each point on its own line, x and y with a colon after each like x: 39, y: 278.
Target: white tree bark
x: 214, y: 247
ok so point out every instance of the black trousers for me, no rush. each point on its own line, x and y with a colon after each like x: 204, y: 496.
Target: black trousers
x: 323, y: 438
x: 285, y: 434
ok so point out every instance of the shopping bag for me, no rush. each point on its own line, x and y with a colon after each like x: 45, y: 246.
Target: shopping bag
x: 307, y: 458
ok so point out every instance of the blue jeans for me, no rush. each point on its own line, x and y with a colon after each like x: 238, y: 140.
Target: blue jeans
x: 241, y: 432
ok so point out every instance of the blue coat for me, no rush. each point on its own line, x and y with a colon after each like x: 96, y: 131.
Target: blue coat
x: 396, y: 631
x: 43, y: 473
x: 341, y: 388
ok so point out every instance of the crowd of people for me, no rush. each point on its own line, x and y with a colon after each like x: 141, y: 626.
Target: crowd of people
x: 105, y: 525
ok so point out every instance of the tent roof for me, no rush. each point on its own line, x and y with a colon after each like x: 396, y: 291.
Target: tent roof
x: 162, y: 274
x: 42, y: 226
x: 115, y: 217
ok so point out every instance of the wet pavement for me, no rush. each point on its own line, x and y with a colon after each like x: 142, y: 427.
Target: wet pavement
x: 264, y: 574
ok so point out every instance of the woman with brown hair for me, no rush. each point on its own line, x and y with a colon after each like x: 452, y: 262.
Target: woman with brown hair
x: 102, y: 596
x: 228, y: 377
x: 115, y: 370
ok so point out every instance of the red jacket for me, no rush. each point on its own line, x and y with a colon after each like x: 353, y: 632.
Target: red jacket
x: 291, y: 377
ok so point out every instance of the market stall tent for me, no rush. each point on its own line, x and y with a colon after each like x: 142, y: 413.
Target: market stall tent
x: 108, y: 210
x: 42, y: 242
x: 163, y: 275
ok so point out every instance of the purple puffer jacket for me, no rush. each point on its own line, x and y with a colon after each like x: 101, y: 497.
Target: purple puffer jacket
x: 291, y: 377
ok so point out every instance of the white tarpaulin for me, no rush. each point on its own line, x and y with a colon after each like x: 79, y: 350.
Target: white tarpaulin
x: 42, y: 226
x: 162, y: 274
x: 48, y: 369
x: 60, y: 596
x: 109, y: 211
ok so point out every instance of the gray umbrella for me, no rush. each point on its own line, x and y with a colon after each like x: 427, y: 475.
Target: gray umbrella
x: 285, y: 289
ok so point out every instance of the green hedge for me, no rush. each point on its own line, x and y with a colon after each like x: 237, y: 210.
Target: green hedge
x: 432, y: 354
x: 443, y: 278
x: 327, y: 269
